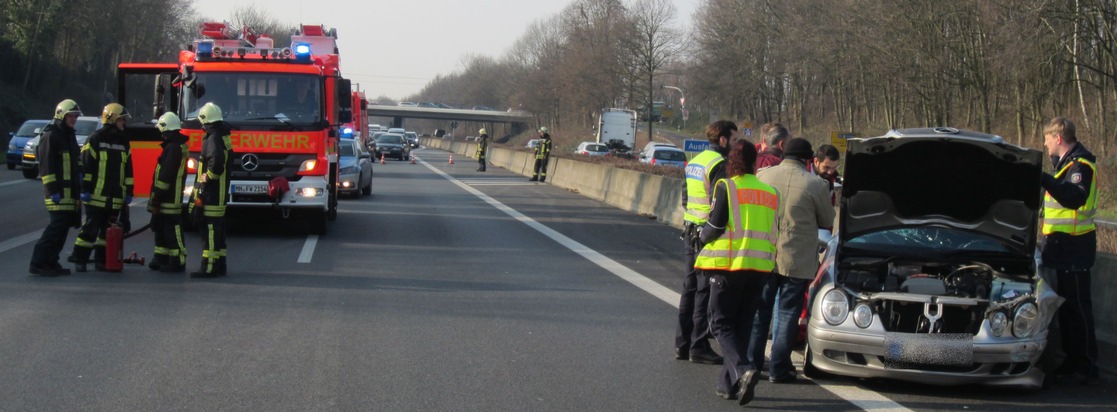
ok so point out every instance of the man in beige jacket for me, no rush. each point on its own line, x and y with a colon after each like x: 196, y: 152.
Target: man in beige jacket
x: 804, y: 208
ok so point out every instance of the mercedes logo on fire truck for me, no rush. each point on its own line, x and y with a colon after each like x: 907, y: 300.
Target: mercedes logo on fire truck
x: 249, y: 162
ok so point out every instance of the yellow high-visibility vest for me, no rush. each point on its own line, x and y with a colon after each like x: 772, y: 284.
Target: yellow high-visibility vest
x: 749, y: 241
x: 1057, y: 218
x: 698, y: 186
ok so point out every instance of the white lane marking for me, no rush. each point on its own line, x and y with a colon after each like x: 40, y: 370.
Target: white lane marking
x: 864, y: 399
x: 308, y: 249
x: 20, y: 240
x: 16, y: 182
x: 645, y: 284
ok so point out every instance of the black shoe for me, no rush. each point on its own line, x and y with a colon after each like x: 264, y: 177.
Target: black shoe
x: 48, y: 271
x: 533, y: 180
x: 172, y: 267
x: 1086, y: 380
x: 748, y: 386
x: 155, y: 264
x: 789, y: 378
x: 708, y: 357
x: 542, y: 180
x: 682, y: 354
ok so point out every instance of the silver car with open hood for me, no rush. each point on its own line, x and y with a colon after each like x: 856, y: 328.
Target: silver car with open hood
x: 933, y: 274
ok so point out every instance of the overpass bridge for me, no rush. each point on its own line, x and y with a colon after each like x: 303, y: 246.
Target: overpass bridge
x: 518, y: 121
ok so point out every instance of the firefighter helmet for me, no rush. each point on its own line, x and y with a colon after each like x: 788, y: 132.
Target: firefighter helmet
x: 112, y: 112
x: 543, y: 129
x: 65, y: 107
x: 482, y: 131
x: 209, y: 113
x: 168, y: 122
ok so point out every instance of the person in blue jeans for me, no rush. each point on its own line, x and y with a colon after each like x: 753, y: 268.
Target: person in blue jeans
x: 805, y: 208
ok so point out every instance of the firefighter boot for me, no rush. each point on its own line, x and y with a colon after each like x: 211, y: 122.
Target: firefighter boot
x: 174, y: 264
x: 99, y: 258
x: 158, y: 261
x: 80, y: 258
x: 207, y: 270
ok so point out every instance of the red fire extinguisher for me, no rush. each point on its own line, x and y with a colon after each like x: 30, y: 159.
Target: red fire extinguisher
x: 114, y: 248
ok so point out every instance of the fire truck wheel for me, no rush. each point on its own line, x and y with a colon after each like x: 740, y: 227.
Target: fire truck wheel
x: 11, y: 166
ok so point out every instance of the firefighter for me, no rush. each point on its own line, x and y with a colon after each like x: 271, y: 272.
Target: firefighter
x: 542, y: 155
x: 211, y: 190
x: 58, y: 166
x: 482, y: 149
x: 106, y: 163
x: 165, y: 203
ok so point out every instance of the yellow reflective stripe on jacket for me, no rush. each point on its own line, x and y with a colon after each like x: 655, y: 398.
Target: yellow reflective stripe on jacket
x: 698, y: 186
x: 749, y: 241
x: 1057, y: 218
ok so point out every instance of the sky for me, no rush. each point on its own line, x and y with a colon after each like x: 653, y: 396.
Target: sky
x: 394, y: 47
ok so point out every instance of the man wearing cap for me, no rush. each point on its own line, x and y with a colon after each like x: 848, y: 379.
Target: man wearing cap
x: 482, y: 149
x: 804, y: 208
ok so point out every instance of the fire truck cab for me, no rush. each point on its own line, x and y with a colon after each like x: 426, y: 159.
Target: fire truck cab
x: 286, y: 106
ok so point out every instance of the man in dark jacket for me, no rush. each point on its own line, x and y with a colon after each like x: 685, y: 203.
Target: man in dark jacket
x: 106, y: 184
x: 165, y: 203
x: 482, y: 149
x: 1070, y: 246
x: 542, y: 155
x: 212, y: 189
x: 58, y: 166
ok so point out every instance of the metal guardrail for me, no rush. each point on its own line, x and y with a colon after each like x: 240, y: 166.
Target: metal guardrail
x: 1106, y: 224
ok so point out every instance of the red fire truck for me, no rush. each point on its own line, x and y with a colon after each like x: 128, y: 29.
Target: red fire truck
x: 286, y: 106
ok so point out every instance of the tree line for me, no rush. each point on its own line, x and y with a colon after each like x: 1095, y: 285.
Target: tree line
x: 57, y: 49
x: 999, y: 66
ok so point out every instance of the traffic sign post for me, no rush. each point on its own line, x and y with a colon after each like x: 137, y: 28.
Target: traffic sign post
x: 838, y: 139
x: 695, y: 146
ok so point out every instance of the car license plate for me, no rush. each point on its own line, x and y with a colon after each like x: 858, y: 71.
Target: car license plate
x: 947, y: 349
x: 250, y: 189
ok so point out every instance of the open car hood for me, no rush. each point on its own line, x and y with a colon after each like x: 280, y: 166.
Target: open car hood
x: 942, y: 176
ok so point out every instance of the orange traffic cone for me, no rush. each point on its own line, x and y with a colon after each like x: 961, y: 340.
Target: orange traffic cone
x: 381, y: 158
x: 451, y: 158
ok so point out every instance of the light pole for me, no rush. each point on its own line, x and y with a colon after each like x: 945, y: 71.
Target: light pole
x: 682, y: 102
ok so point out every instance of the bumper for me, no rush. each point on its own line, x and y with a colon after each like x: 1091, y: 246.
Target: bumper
x: 309, y: 193
x: 349, y: 184
x: 15, y: 156
x: 925, y: 358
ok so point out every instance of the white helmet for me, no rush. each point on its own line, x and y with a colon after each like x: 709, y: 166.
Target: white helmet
x: 169, y: 121
x: 66, y: 107
x: 209, y: 113
x: 482, y: 131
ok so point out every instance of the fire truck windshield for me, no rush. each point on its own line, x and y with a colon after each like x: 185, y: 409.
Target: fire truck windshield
x: 262, y: 100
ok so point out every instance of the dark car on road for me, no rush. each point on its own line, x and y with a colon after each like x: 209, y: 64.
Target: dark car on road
x: 19, y: 138
x: 355, y: 169
x: 392, y: 145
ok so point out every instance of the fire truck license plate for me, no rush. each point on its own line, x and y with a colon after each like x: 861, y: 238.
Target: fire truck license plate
x: 250, y: 189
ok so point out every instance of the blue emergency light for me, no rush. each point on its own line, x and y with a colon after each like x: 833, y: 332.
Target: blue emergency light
x: 302, y: 51
x: 205, y: 48
x: 347, y: 132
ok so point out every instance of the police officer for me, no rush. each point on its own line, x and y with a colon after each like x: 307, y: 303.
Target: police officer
x: 1070, y: 245
x: 58, y: 166
x: 701, y: 172
x: 482, y: 149
x: 165, y: 203
x: 738, y: 254
x: 542, y: 155
x: 106, y: 162
x: 212, y: 188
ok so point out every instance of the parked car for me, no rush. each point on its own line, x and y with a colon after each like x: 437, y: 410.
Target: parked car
x: 648, y: 147
x: 412, y: 138
x: 392, y: 145
x: 17, y: 139
x: 407, y: 104
x: 355, y: 169
x: 664, y: 156
x: 933, y: 277
x: 591, y: 149
x: 84, y: 127
x: 428, y: 105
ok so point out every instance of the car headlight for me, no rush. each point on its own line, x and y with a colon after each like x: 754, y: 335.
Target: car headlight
x: 863, y: 315
x: 835, y: 307
x: 1024, y: 320
x: 12, y: 146
x: 998, y: 323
